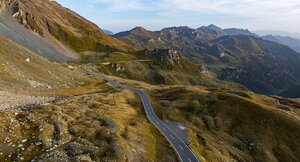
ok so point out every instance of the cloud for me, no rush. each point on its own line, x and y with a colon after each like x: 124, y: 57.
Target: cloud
x: 255, y: 14
x: 118, y: 5
x: 246, y: 8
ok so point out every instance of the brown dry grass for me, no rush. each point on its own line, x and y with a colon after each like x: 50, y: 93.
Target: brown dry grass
x: 96, y: 123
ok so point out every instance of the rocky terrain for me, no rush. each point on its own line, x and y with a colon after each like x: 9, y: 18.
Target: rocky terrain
x: 21, y: 69
x: 94, y: 123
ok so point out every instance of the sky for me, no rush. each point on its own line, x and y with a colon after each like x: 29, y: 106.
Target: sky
x: 121, y: 15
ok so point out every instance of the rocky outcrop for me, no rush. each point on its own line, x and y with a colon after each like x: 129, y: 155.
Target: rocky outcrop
x: 25, y: 18
x: 171, y: 55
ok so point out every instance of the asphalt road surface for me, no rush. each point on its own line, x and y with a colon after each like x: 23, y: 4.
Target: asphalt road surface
x: 182, y: 149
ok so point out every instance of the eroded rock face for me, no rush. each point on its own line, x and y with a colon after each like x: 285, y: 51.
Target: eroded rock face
x: 19, y: 11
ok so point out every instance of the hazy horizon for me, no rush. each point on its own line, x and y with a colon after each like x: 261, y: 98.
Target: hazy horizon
x: 121, y: 15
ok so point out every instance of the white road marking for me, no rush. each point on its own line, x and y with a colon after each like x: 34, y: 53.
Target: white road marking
x: 190, y: 160
x: 157, y: 122
x: 164, y: 129
x: 181, y: 147
x: 183, y: 143
x: 172, y: 137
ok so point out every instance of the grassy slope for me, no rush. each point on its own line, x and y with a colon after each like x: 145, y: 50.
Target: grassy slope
x: 229, y: 124
x: 85, y: 125
x: 210, y: 114
x: 153, y: 70
x: 234, y: 125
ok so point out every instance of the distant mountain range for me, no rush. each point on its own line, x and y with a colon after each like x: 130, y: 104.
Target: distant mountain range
x: 233, y: 54
x: 277, y: 32
x: 285, y: 40
x: 108, y: 32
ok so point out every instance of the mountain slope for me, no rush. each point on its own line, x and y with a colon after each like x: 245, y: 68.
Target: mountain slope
x: 229, y: 125
x: 186, y: 40
x: 108, y: 32
x: 235, y: 31
x: 20, y: 68
x: 293, y: 92
x: 141, y: 38
x: 245, y: 59
x: 10, y: 28
x: 262, y: 66
x: 62, y: 28
x: 159, y: 66
x: 70, y: 30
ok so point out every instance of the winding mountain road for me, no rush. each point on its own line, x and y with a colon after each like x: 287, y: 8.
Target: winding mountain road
x: 182, y: 149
